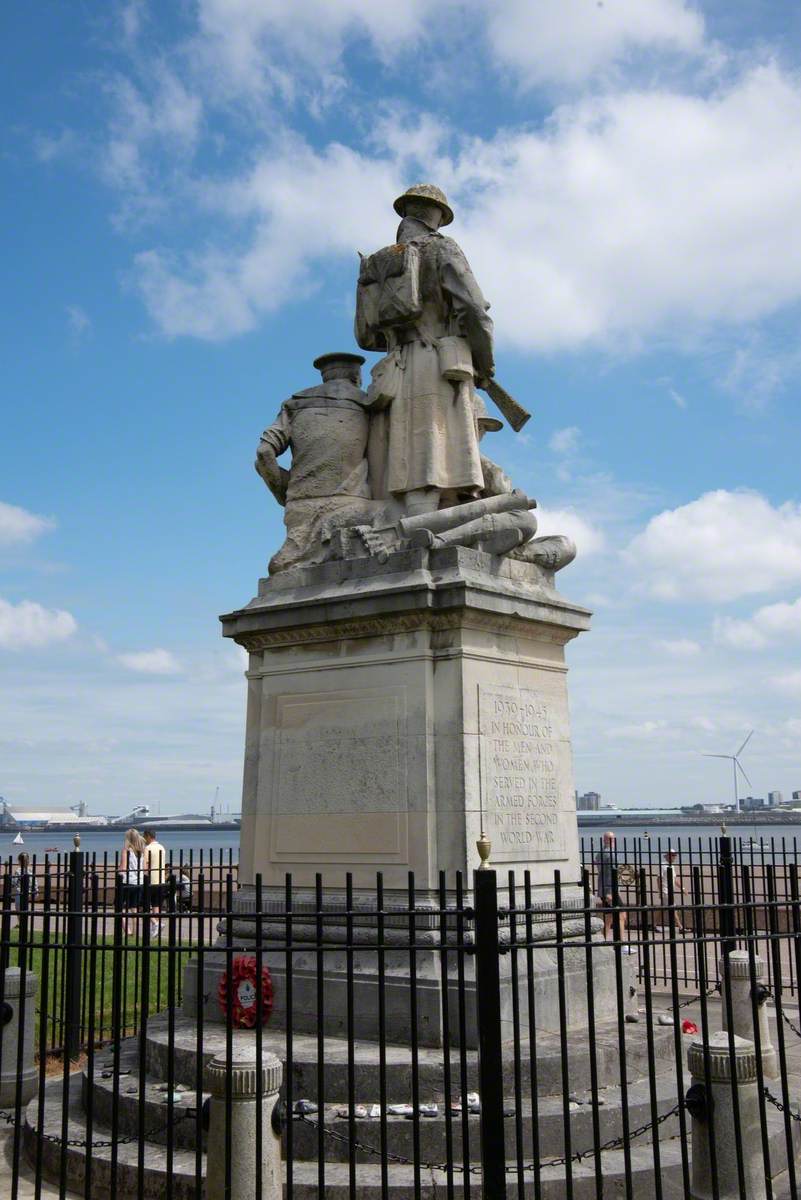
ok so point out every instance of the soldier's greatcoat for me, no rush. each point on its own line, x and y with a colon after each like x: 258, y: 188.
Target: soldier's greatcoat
x: 427, y: 437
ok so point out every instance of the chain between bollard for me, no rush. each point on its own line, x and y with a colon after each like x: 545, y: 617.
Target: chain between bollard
x: 83, y: 1144
x: 778, y: 1104
x: 578, y: 1157
x: 782, y: 1013
x: 710, y: 991
x: 336, y: 1136
x: 613, y: 1143
x: 790, y: 1024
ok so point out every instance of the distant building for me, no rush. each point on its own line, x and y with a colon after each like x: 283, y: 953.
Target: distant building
x: 589, y: 802
x: 797, y: 795
x: 775, y: 799
x: 13, y: 816
x: 750, y: 803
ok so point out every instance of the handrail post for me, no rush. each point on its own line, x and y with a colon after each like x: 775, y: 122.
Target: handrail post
x: 490, y: 1064
x: 72, y: 1004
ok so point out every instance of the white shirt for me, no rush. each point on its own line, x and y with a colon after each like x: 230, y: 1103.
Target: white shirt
x: 133, y: 867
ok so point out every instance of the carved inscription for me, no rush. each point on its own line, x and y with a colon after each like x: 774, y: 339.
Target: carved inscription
x: 520, y: 776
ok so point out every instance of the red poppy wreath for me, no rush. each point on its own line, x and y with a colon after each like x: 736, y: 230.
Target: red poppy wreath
x: 244, y: 1009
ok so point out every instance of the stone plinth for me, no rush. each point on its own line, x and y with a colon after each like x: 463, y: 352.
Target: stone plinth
x: 395, y: 708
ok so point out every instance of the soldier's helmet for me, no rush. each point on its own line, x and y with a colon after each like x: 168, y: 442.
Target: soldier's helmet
x: 425, y: 191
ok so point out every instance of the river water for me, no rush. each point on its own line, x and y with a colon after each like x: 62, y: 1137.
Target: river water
x: 213, y: 841
x: 768, y: 833
x: 102, y: 841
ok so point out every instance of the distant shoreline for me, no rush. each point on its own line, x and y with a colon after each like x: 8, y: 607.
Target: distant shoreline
x: 98, y: 827
x: 758, y: 816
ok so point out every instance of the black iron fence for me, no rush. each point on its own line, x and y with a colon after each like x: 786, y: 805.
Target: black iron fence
x: 708, y: 876
x: 484, y: 1038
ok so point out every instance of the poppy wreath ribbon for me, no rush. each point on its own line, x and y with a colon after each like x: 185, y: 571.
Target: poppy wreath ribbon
x: 243, y: 983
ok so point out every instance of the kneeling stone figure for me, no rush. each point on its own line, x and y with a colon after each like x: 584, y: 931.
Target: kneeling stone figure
x: 326, y: 427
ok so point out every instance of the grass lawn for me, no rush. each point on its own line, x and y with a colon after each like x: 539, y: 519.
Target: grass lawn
x: 144, y: 984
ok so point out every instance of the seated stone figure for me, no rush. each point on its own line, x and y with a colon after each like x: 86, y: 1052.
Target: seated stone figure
x: 326, y: 428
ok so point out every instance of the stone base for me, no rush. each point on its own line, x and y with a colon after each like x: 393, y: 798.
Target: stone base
x: 395, y: 710
x: 398, y: 995
x: 399, y: 1007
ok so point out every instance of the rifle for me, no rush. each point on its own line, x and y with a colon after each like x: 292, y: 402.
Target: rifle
x: 515, y: 414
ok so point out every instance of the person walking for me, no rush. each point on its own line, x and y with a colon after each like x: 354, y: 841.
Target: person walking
x: 606, y: 861
x: 23, y: 885
x: 668, y: 876
x: 132, y: 864
x: 155, y: 869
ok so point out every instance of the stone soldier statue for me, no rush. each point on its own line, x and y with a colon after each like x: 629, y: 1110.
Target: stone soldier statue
x: 326, y: 427
x: 419, y: 301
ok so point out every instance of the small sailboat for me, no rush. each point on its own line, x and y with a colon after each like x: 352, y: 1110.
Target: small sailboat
x: 18, y: 840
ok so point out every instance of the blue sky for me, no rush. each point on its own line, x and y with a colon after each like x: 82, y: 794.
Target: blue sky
x: 184, y: 190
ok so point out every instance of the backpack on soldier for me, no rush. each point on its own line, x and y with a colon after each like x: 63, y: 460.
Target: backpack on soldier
x: 388, y: 293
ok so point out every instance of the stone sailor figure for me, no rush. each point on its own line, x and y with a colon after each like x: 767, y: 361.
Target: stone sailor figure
x: 419, y: 301
x: 326, y: 427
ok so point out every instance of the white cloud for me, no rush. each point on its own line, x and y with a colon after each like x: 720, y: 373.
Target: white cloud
x: 300, y: 205
x: 246, y: 40
x: 131, y: 18
x: 589, y: 538
x: 632, y: 213
x: 151, y: 662
x: 29, y: 625
x: 759, y: 368
x: 19, y: 525
x: 640, y: 211
x: 79, y: 321
x: 719, y: 547
x: 773, y: 622
x: 153, y: 130
x: 55, y: 146
x: 789, y: 681
x: 679, y: 647
x: 542, y: 42
x: 565, y: 441
x: 572, y: 40
x: 638, y: 730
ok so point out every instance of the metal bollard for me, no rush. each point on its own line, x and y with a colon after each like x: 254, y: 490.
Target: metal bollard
x: 251, y: 1086
x: 742, y: 1008
x: 726, y: 1130
x: 13, y: 1005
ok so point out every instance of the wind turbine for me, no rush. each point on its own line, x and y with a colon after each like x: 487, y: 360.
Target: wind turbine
x: 734, y: 759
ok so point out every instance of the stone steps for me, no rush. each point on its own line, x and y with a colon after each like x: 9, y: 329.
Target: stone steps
x: 401, y: 1178
x: 432, y: 1131
x: 399, y: 1063
x: 400, y: 1130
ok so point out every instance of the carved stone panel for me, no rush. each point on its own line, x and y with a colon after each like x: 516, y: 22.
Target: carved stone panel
x: 340, y: 750
x: 339, y: 784
x: 522, y: 778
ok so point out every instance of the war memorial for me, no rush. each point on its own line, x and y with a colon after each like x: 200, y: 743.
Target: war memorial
x: 409, y: 992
